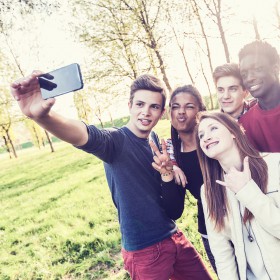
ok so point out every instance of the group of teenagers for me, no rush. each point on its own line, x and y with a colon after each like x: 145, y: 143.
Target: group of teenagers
x: 229, y: 160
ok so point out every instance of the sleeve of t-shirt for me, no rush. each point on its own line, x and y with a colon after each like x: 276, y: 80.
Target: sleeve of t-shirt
x: 106, y: 144
x: 173, y: 198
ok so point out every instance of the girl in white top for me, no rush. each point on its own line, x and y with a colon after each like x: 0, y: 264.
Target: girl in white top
x: 241, y: 200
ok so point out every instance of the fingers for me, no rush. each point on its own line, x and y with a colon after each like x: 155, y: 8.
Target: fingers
x: 221, y: 183
x: 26, y: 81
x: 157, y: 161
x: 156, y: 167
x: 36, y: 73
x: 163, y: 156
x: 180, y: 180
x: 164, y: 148
x: 177, y: 179
x: 163, y: 145
x: 47, y: 104
x: 154, y: 148
x: 246, y: 165
x: 163, y: 164
x: 179, y: 175
x: 184, y: 180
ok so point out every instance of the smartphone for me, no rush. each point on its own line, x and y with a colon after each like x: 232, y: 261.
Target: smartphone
x: 61, y: 81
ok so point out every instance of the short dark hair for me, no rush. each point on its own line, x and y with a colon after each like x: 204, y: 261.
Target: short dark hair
x: 260, y: 48
x: 151, y: 83
x: 228, y: 69
x: 190, y: 89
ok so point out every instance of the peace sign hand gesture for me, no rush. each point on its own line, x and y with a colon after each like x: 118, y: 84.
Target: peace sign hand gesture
x: 162, y: 162
x: 235, y: 180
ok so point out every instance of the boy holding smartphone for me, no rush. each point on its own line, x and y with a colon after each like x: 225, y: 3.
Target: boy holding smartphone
x: 152, y: 246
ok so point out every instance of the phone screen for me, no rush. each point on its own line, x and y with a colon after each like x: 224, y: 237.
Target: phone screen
x: 61, y: 81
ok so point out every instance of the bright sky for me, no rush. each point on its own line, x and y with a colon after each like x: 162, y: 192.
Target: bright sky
x: 58, y: 48
x: 239, y: 32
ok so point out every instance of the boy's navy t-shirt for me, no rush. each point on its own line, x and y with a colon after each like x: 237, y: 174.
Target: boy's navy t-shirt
x: 135, y: 186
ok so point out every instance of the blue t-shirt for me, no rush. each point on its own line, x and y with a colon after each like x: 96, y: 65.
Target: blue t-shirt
x: 135, y: 186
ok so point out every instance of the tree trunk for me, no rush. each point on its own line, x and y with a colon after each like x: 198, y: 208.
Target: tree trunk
x: 43, y: 142
x: 151, y: 59
x: 196, y: 11
x: 276, y: 12
x: 7, y: 147
x: 162, y: 69
x: 36, y: 137
x: 143, y: 17
x: 11, y: 143
x: 256, y: 29
x: 181, y: 48
x: 223, y: 37
x: 111, y: 119
x: 100, y: 121
x: 210, y: 94
x: 50, y: 141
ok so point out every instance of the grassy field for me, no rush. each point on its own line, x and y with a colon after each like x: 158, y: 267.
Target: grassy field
x: 57, y: 219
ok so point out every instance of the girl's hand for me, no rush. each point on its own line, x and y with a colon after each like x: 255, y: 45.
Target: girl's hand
x: 180, y: 177
x: 235, y: 180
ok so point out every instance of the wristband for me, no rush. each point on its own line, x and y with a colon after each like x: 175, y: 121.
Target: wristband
x: 166, y: 174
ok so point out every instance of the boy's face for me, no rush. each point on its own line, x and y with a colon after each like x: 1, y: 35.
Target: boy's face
x: 258, y: 74
x: 145, y: 111
x: 231, y: 95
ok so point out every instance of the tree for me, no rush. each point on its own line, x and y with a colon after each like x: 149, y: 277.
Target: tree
x: 256, y: 29
x: 35, y: 132
x: 124, y: 37
x: 8, y: 14
x: 147, y: 15
x: 84, y: 110
x: 215, y: 13
x: 276, y: 12
x: 6, y: 122
x: 179, y: 21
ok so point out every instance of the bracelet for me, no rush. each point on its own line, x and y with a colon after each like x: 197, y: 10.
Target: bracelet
x: 166, y: 174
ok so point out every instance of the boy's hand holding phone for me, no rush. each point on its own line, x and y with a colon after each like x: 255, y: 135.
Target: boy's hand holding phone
x: 28, y: 95
x: 31, y: 91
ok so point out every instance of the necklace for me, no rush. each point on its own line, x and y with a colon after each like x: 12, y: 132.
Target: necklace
x: 250, y: 237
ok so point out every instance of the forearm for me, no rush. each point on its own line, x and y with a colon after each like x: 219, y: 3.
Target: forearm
x: 68, y: 130
x: 173, y: 197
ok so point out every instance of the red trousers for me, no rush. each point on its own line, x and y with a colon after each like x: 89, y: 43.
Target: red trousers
x: 173, y: 258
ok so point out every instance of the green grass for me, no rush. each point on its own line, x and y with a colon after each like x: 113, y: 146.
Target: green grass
x: 58, y: 220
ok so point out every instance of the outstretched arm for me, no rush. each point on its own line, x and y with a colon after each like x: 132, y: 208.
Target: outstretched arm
x: 27, y: 93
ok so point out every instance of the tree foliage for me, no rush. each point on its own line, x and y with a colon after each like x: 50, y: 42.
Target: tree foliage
x: 178, y: 41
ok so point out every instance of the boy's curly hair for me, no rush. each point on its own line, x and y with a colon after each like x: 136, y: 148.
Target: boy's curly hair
x: 260, y: 48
